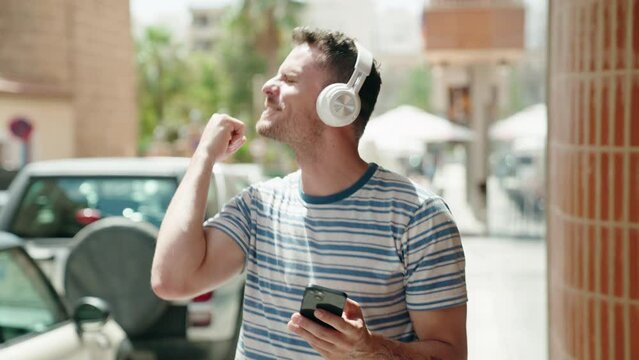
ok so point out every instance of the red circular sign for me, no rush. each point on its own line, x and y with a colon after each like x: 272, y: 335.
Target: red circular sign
x: 21, y: 128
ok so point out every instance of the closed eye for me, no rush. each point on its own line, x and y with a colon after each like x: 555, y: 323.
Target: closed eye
x: 288, y: 79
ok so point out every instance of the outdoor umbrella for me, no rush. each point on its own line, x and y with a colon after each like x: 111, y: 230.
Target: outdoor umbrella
x: 530, y: 122
x: 402, y: 128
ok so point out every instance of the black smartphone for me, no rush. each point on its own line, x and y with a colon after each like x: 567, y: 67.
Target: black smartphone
x: 319, y: 297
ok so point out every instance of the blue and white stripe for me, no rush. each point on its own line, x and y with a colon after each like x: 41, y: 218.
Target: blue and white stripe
x: 390, y: 245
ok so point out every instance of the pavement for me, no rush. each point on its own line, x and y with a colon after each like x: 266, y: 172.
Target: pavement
x: 507, y: 306
x: 505, y: 274
x: 451, y: 180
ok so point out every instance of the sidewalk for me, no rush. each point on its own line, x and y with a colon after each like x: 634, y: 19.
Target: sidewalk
x: 507, y: 306
x: 505, y: 276
x: 452, y: 180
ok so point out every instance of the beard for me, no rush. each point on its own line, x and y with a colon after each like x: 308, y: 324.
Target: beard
x: 296, y: 130
x: 267, y: 127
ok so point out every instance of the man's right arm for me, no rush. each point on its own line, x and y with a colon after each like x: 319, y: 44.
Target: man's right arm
x: 190, y: 259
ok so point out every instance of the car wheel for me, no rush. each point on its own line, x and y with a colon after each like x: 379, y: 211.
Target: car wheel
x: 111, y: 259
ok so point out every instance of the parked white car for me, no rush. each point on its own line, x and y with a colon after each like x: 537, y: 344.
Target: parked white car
x: 34, y: 324
x: 91, y: 224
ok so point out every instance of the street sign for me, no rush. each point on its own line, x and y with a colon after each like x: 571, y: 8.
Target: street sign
x: 21, y: 128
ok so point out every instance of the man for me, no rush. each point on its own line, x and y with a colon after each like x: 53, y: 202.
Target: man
x: 338, y: 222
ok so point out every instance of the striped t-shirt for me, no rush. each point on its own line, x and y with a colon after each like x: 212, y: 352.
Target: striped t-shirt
x: 389, y: 244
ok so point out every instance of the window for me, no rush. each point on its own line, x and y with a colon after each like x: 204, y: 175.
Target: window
x: 27, y: 304
x: 203, y: 45
x: 200, y: 20
x: 53, y: 207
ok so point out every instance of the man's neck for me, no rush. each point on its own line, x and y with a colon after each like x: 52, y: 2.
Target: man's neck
x: 331, y: 170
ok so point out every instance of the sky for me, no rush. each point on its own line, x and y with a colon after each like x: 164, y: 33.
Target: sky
x: 150, y: 11
x: 175, y: 14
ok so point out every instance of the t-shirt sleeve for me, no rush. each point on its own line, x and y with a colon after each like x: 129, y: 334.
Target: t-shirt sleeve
x: 433, y: 259
x: 235, y: 220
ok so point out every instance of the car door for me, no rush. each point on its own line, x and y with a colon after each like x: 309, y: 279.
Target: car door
x: 33, y: 321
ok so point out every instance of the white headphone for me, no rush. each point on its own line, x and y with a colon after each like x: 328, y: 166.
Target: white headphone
x: 338, y: 104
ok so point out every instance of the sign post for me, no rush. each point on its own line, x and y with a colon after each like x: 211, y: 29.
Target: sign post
x: 22, y: 128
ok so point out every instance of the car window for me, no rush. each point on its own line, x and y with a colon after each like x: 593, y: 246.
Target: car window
x: 231, y: 184
x: 234, y: 185
x: 60, y: 207
x: 27, y: 304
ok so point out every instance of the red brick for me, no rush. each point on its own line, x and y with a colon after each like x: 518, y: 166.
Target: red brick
x: 606, y: 167
x: 619, y: 330
x: 607, y: 35
x: 591, y: 335
x: 603, y: 311
x: 634, y: 101
x: 604, y: 135
x: 591, y: 174
x: 604, y: 261
x: 634, y: 265
x: 591, y: 122
x: 634, y: 331
x: 633, y: 178
x: 621, y: 34
x: 617, y: 190
x: 619, y: 121
x: 591, y: 242
x: 619, y: 258
x: 635, y: 41
x: 577, y: 255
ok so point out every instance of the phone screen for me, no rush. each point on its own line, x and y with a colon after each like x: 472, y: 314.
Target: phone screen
x: 318, y: 297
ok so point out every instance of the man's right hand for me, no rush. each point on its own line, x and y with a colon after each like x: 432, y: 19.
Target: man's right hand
x: 222, y: 136
x: 189, y: 260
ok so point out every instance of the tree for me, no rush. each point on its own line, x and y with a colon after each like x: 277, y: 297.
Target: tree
x: 253, y: 47
x: 250, y: 53
x: 160, y: 82
x: 417, y: 89
x: 176, y: 87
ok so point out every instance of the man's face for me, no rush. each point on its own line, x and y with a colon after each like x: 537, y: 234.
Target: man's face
x: 290, y: 115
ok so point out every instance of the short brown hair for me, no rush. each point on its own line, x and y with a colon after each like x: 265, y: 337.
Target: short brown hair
x: 340, y: 55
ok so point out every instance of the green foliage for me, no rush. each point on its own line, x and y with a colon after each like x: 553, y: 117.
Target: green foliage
x: 417, y: 88
x: 255, y: 32
x: 160, y: 85
x: 177, y: 87
x: 206, y: 94
x: 516, y: 102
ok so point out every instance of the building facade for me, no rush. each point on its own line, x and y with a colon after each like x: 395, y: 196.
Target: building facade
x: 471, y: 44
x: 206, y: 28
x: 67, y: 66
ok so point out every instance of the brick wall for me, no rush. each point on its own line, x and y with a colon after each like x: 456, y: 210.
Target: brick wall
x: 593, y: 222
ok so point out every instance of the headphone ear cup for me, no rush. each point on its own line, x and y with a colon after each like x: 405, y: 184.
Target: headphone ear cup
x: 338, y: 105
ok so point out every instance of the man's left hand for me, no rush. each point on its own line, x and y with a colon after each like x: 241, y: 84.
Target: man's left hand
x: 349, y: 339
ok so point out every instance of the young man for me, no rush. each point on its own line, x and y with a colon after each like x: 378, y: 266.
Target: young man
x: 338, y: 222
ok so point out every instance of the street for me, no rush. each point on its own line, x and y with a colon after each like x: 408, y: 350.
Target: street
x: 507, y: 316
x: 505, y: 275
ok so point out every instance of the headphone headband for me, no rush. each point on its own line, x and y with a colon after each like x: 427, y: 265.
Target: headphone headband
x: 339, y: 104
x: 363, y: 66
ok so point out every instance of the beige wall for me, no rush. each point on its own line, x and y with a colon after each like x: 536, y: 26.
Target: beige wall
x: 80, y: 51
x: 34, y: 45
x: 53, y: 135
x: 104, y: 79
